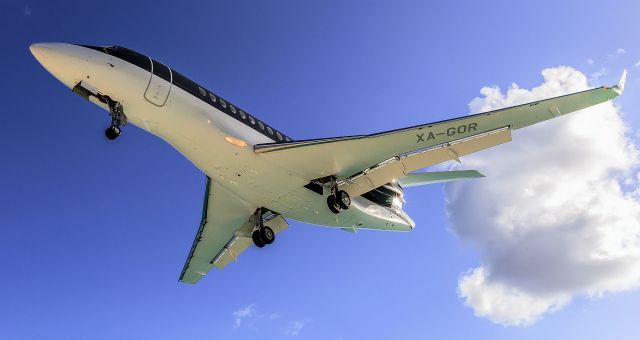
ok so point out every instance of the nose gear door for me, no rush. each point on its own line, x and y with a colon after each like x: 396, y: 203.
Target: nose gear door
x: 160, y: 84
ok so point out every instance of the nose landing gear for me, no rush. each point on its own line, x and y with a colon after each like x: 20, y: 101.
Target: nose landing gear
x: 118, y: 118
x: 262, y: 234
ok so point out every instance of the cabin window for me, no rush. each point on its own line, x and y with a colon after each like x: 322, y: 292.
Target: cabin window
x: 213, y: 97
x: 233, y: 108
x: 261, y: 125
x: 243, y: 115
x: 202, y: 91
x: 223, y: 103
x: 270, y: 130
x: 279, y: 135
x: 253, y: 121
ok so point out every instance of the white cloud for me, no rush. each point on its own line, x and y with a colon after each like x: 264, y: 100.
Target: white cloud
x: 558, y: 224
x: 503, y: 303
x: 244, y: 314
x: 274, y: 316
x: 598, y: 74
x: 617, y: 54
x: 295, y: 327
x: 637, y: 64
x: 590, y: 61
x: 27, y: 11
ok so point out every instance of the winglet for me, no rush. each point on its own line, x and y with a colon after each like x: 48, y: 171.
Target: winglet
x: 620, y: 87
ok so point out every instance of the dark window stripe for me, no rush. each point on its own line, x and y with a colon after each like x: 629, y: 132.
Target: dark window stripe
x: 194, y: 89
x: 162, y: 71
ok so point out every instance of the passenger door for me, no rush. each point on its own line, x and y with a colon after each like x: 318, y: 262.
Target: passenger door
x: 160, y: 84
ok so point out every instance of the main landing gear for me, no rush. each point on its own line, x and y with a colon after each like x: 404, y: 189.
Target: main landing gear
x: 338, y: 200
x: 262, y: 234
x: 118, y: 118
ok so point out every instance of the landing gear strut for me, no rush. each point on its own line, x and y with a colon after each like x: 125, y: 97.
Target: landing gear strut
x: 338, y: 200
x: 118, y: 118
x: 262, y: 234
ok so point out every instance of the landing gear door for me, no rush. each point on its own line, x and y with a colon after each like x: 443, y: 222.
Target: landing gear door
x: 160, y: 84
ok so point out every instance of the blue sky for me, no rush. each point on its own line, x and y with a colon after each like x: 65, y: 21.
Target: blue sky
x: 93, y: 234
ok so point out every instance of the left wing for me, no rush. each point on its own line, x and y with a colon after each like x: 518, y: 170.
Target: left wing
x: 224, y: 232
x: 345, y: 157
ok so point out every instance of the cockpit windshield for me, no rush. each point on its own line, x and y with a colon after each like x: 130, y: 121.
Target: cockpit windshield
x: 125, y: 54
x: 389, y: 195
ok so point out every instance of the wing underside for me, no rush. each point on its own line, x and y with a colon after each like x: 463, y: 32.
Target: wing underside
x: 224, y: 232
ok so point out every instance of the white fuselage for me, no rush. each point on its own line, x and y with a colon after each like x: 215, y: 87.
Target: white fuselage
x: 204, y: 134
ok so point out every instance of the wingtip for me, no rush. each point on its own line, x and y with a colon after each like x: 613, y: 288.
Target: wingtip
x: 620, y: 86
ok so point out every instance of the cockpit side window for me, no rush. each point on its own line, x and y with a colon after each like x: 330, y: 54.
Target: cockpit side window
x: 130, y: 56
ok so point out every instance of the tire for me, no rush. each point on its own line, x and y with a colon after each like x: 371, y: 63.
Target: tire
x: 333, y: 205
x: 343, y: 199
x: 257, y: 240
x: 112, y: 132
x: 267, y: 236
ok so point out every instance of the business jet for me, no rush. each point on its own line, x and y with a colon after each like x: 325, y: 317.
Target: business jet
x: 257, y: 176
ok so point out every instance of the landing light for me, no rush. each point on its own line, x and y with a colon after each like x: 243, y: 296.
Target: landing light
x: 397, y: 202
x: 236, y: 141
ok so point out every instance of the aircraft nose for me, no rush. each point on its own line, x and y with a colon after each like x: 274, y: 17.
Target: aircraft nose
x: 61, y: 60
x: 43, y: 51
x: 36, y: 50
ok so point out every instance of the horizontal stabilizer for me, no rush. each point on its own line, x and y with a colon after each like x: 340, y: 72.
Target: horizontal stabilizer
x: 412, y: 180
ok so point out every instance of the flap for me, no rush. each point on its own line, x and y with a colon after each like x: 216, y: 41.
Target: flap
x: 402, y: 166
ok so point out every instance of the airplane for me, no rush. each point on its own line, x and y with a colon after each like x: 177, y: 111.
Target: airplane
x: 257, y: 177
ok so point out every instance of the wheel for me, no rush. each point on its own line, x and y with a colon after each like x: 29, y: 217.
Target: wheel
x: 333, y: 205
x: 343, y: 199
x: 267, y: 236
x: 112, y: 132
x: 257, y: 240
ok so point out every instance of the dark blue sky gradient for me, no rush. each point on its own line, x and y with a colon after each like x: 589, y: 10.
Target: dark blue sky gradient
x: 93, y: 234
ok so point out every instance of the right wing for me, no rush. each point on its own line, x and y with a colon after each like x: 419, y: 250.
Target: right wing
x: 224, y: 232
x: 347, y: 157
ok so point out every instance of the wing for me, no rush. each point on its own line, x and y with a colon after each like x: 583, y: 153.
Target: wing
x: 224, y: 232
x: 346, y: 157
